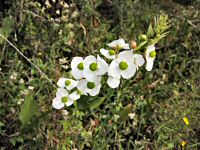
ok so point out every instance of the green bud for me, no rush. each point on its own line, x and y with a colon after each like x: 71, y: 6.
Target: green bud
x: 90, y: 85
x: 80, y: 66
x: 152, y: 54
x: 93, y: 66
x: 111, y: 52
x: 64, y: 99
x: 143, y: 37
x: 123, y: 65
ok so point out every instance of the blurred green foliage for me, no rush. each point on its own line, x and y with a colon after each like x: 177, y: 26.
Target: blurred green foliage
x: 159, y: 99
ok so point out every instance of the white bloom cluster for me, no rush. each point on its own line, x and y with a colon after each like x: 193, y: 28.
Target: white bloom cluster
x: 121, y: 62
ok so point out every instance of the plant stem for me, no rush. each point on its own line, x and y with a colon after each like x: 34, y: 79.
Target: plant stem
x: 38, y: 69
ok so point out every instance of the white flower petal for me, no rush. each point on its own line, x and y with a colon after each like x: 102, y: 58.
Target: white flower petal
x: 88, y: 60
x: 90, y: 75
x: 95, y: 91
x: 57, y: 103
x: 126, y: 46
x: 75, y: 61
x: 69, y: 102
x: 114, y: 69
x: 98, y: 80
x: 113, y: 82
x: 149, y: 49
x: 119, y: 43
x: 149, y: 64
x: 138, y: 59
x: 72, y: 85
x: 113, y: 44
x: 102, y: 66
x: 74, y: 95
x: 77, y: 74
x: 126, y: 55
x: 61, y: 92
x: 82, y: 85
x: 61, y: 82
x: 129, y: 72
x: 105, y: 53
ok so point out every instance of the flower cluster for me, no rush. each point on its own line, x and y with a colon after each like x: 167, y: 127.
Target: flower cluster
x: 121, y: 61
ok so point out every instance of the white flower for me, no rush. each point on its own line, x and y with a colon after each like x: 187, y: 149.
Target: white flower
x: 109, y: 54
x: 138, y: 60
x: 62, y: 98
x: 131, y: 115
x: 69, y: 84
x: 150, y: 55
x: 119, y: 44
x: 13, y: 76
x: 21, y: 81
x: 123, y: 65
x: 77, y: 67
x: 92, y: 88
x: 31, y: 87
x: 94, y: 67
x: 113, y: 82
x: 65, y: 112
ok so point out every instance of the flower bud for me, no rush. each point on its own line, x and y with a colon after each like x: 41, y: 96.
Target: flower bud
x: 133, y: 44
x: 143, y: 37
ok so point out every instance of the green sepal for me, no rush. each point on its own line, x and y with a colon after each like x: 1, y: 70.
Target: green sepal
x: 150, y: 32
x: 140, y: 46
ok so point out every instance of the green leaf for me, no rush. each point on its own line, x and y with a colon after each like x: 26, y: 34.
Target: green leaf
x: 14, y: 140
x: 123, y: 114
x: 7, y: 28
x: 150, y: 32
x: 28, y: 110
x: 89, y: 102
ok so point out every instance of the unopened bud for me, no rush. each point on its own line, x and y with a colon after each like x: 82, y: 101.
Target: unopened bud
x: 143, y: 37
x: 133, y: 44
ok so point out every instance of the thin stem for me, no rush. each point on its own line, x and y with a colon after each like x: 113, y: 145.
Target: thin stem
x: 43, y: 74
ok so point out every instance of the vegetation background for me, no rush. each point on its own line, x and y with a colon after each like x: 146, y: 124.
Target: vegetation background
x: 51, y: 32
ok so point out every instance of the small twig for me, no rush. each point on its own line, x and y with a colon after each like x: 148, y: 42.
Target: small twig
x: 43, y: 74
x: 36, y: 15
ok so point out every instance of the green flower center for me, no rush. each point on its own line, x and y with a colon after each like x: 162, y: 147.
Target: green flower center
x: 123, y: 65
x: 64, y: 99
x: 67, y: 82
x: 111, y: 52
x: 93, y: 66
x: 90, y: 85
x: 152, y: 54
x: 80, y: 66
